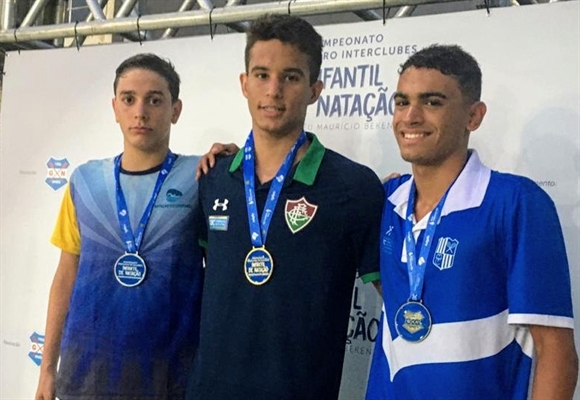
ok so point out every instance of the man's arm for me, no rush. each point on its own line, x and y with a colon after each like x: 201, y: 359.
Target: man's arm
x: 378, y: 287
x: 556, y: 370
x: 58, y: 304
x: 207, y: 161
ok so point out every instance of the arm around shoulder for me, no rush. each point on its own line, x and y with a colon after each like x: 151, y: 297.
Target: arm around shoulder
x: 58, y: 305
x: 556, y: 372
x: 208, y: 160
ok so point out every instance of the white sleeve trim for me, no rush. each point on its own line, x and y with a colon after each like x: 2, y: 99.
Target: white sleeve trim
x: 541, y: 319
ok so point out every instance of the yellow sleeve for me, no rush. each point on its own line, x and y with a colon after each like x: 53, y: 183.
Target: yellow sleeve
x: 66, y: 235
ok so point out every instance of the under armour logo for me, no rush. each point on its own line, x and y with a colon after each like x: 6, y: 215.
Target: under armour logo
x: 223, y: 206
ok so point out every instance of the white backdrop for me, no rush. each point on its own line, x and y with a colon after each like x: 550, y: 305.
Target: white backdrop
x: 57, y: 105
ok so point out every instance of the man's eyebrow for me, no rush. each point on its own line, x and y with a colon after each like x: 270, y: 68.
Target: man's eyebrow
x: 294, y: 71
x: 258, y: 68
x: 156, y: 92
x: 149, y: 93
x: 433, y: 94
x: 291, y: 70
x: 422, y: 96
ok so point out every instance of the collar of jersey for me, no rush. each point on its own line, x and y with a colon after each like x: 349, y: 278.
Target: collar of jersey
x: 467, y: 192
x: 307, y: 167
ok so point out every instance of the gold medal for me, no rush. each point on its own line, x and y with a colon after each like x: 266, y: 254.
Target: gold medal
x: 258, y: 266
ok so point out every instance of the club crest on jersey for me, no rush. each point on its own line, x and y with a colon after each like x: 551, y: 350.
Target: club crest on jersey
x: 445, y: 253
x: 299, y: 213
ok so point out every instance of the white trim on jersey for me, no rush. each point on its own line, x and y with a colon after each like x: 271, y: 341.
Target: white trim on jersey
x: 467, y: 192
x: 446, y: 342
x: 541, y: 319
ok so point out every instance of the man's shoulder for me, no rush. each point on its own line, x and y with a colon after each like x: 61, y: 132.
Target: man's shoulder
x: 220, y: 170
x: 356, y: 181
x: 188, y: 159
x: 393, y: 184
x: 347, y: 167
x: 223, y: 164
x: 97, y: 163
x: 509, y: 184
x: 93, y: 166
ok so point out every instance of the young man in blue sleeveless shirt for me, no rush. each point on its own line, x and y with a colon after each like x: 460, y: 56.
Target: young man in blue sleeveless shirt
x: 123, y: 312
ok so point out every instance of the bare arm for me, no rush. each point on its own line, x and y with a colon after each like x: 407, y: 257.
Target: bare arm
x: 556, y: 370
x: 379, y: 287
x: 58, y: 304
x: 208, y: 160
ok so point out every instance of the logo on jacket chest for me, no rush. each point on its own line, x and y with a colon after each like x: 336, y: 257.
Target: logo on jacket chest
x: 218, y: 204
x: 299, y: 213
x: 219, y: 222
x: 445, y: 253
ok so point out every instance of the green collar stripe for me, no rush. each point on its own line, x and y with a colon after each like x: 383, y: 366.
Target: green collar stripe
x: 308, y: 166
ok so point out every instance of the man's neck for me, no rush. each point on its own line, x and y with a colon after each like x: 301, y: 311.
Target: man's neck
x: 432, y: 182
x: 136, y: 161
x: 271, y: 152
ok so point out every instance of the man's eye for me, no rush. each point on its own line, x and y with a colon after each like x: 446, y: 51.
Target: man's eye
x: 155, y: 101
x: 433, y: 103
x: 127, y: 100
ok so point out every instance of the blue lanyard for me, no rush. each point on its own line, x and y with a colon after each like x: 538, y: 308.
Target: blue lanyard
x: 132, y: 241
x: 416, y: 268
x: 259, y: 231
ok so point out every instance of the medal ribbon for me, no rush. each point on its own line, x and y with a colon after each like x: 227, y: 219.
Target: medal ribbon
x: 132, y: 240
x: 259, y: 230
x: 416, y: 268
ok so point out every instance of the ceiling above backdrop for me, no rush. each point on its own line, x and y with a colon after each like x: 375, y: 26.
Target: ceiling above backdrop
x: 42, y: 24
x: 19, y: 17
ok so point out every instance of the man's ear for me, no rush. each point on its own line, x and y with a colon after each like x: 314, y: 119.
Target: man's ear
x: 177, y: 107
x: 316, y: 89
x: 243, y: 81
x: 476, y: 113
x: 114, y: 105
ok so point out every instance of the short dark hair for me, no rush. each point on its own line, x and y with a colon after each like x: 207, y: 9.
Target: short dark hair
x: 288, y: 29
x: 453, y: 61
x: 154, y: 63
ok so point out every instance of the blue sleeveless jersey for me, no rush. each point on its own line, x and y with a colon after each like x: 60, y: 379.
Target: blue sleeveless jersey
x: 132, y: 342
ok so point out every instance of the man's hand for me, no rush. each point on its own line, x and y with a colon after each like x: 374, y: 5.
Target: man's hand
x: 207, y: 161
x: 390, y: 176
x: 46, y: 385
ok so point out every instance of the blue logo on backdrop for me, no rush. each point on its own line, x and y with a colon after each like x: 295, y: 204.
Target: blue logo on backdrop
x: 56, y: 176
x: 36, y: 348
x: 445, y: 253
x: 173, y: 195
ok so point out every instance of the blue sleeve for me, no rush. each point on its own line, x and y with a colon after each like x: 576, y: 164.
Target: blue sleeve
x: 538, y: 278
